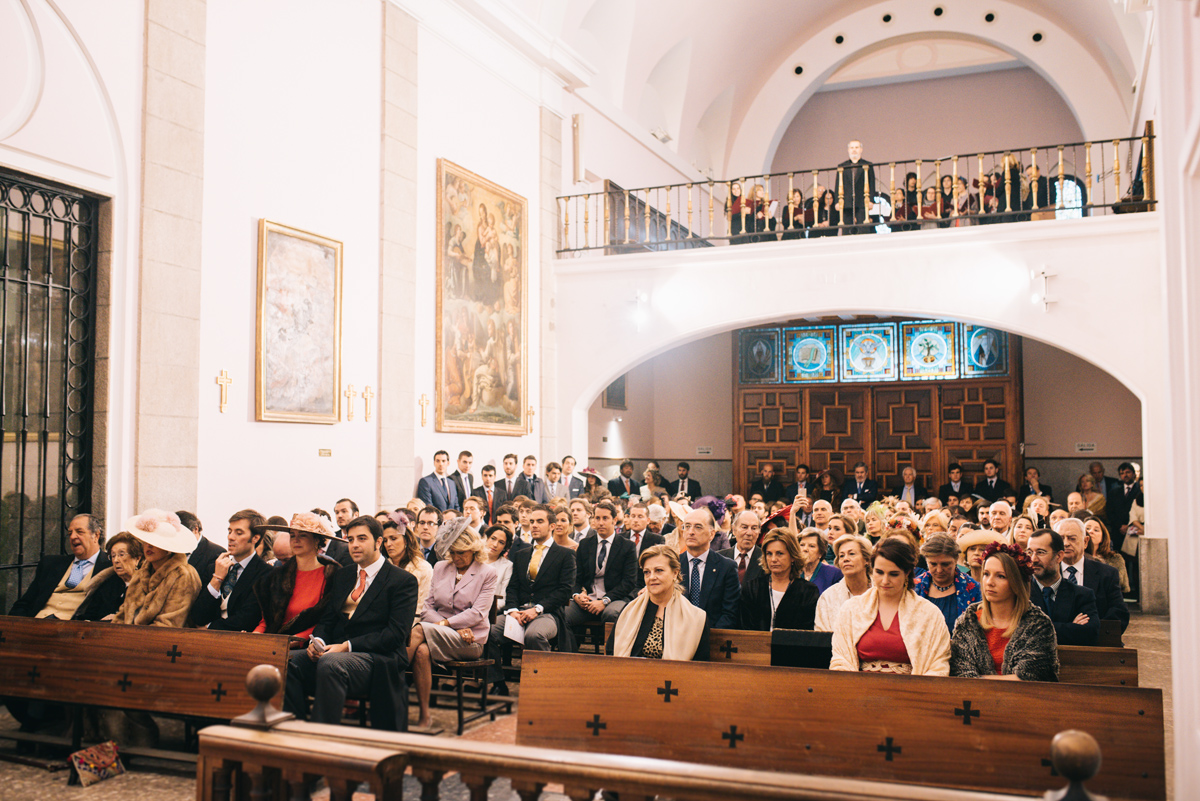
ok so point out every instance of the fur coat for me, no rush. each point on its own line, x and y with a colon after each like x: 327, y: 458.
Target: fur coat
x: 160, y: 597
x: 922, y: 628
x: 1031, y: 654
x: 274, y: 593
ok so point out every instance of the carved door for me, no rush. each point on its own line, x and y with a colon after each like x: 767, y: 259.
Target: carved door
x: 981, y: 422
x: 905, y: 434
x: 770, y: 431
x: 839, y: 433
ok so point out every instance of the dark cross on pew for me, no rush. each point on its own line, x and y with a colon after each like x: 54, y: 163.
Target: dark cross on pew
x: 1046, y: 763
x: 729, y: 649
x: 595, y: 725
x: 732, y: 736
x: 219, y: 692
x: 33, y: 674
x: 966, y: 713
x: 2, y: 638
x: 125, y: 683
x: 667, y: 692
x: 174, y: 653
x: 888, y: 749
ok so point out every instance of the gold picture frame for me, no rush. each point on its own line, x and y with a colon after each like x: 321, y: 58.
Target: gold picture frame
x: 481, y: 362
x: 298, y: 354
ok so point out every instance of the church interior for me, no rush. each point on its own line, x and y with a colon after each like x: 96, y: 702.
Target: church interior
x: 266, y: 256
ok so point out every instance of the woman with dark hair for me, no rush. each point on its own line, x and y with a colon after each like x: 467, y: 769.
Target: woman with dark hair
x: 827, y: 488
x: 943, y: 584
x: 824, y: 219
x: 402, y: 550
x: 660, y: 623
x: 779, y: 597
x: 739, y: 214
x: 654, y: 485
x: 1099, y: 546
x: 889, y: 628
x: 946, y: 187
x: 497, y: 540
x: 912, y: 190
x: 594, y: 486
x: 793, y: 216
x: 1005, y: 636
x: 294, y: 595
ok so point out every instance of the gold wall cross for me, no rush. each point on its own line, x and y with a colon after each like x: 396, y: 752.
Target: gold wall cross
x: 367, y: 395
x: 529, y: 421
x: 350, y: 395
x: 424, y: 401
x: 224, y: 380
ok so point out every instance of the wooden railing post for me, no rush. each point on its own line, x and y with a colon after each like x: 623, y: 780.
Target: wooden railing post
x: 1148, y: 164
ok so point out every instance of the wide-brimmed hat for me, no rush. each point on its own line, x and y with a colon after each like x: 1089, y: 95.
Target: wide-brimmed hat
x: 162, y: 530
x: 306, y: 523
x: 591, y: 471
x: 975, y: 537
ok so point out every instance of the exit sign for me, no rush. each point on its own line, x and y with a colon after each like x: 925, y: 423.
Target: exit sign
x: 1085, y: 447
x: 704, y: 450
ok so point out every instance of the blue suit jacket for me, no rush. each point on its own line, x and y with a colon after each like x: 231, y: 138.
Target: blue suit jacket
x: 1070, y: 601
x: 869, y: 494
x: 429, y: 489
x: 720, y: 593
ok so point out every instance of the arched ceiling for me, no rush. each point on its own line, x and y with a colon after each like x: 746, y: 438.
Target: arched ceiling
x: 736, y: 50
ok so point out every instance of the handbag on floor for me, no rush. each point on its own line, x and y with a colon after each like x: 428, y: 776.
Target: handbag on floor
x: 97, y: 763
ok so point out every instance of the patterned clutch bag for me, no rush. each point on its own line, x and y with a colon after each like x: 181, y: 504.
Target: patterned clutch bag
x: 97, y: 763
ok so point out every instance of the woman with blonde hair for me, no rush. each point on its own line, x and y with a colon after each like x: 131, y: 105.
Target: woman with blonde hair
x: 1093, y: 501
x: 163, y: 587
x: 779, y: 597
x: 853, y: 555
x: 661, y: 623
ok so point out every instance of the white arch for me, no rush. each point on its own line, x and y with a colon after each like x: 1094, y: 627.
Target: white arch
x: 1099, y: 99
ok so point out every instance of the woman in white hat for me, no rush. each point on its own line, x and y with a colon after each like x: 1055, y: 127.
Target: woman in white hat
x: 163, y: 588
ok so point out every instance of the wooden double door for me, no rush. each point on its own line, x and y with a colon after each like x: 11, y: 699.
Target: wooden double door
x: 888, y: 426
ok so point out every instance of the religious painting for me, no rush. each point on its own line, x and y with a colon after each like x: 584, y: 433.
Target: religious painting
x: 810, y: 354
x: 868, y: 352
x: 614, y: 395
x: 481, y: 356
x: 928, y: 351
x: 298, y: 369
x: 984, y: 351
x: 758, y: 356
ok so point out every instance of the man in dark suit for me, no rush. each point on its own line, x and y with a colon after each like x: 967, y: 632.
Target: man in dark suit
x: 857, y: 179
x: 767, y: 485
x: 429, y: 520
x: 464, y: 482
x: 955, y: 486
x: 1104, y: 484
x: 605, y: 574
x: 637, y: 531
x: 227, y: 601
x: 745, y: 553
x: 686, y: 485
x: 364, y: 630
x: 860, y: 488
x: 61, y: 581
x: 991, y: 487
x: 436, y: 489
x: 790, y: 492
x: 542, y: 579
x: 718, y: 593
x: 207, y: 551
x: 489, y: 492
x: 1120, y: 500
x: 909, y: 489
x: 625, y: 483
x: 1098, y: 577
x: 344, y: 511
x: 529, y: 484
x: 1033, y: 486
x: 575, y: 483
x: 1071, y: 607
x: 581, y: 519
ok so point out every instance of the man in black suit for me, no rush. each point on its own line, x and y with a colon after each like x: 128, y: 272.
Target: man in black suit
x: 625, y: 483
x: 991, y: 487
x: 364, y: 629
x: 344, y: 511
x: 790, y: 492
x: 909, y: 489
x: 745, y: 553
x: 429, y: 519
x: 1098, y: 577
x: 1120, y: 500
x: 529, y: 484
x: 955, y: 486
x: 1033, y: 486
x: 858, y: 179
x: 1104, y: 484
x: 227, y: 601
x: 686, y: 485
x: 605, y: 573
x: 718, y: 593
x: 637, y: 531
x: 581, y: 519
x: 61, y: 581
x: 207, y: 551
x: 489, y: 492
x: 860, y: 488
x: 542, y: 579
x: 767, y: 485
x: 574, y: 483
x: 464, y: 482
x: 1071, y: 607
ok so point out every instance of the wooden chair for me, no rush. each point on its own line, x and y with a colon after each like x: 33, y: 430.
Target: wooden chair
x: 463, y: 671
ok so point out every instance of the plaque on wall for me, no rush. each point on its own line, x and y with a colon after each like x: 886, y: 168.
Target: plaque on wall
x: 758, y: 351
x: 868, y: 352
x: 928, y: 351
x: 984, y: 351
x: 810, y: 354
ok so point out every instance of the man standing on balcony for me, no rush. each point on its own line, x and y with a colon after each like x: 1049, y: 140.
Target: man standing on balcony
x: 857, y: 179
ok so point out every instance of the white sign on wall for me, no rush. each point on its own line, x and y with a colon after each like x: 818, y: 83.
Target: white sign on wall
x: 1085, y: 447
x: 704, y: 450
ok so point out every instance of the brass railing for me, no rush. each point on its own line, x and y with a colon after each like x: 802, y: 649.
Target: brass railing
x: 1076, y: 179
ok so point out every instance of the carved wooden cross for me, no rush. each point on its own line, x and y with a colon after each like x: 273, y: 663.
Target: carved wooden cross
x: 368, y: 395
x: 424, y: 409
x: 350, y: 396
x: 224, y: 381
x: 529, y: 421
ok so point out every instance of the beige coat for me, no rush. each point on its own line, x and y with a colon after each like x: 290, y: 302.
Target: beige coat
x: 922, y: 628
x: 161, y: 598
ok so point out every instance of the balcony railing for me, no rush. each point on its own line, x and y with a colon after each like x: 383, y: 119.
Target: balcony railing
x: 1077, y: 179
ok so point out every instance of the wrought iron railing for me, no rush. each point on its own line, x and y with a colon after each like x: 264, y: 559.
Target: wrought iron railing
x: 1076, y: 179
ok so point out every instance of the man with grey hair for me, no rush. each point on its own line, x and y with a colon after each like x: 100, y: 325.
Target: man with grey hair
x: 709, y: 579
x: 745, y: 553
x: 1098, y: 577
x: 1000, y: 515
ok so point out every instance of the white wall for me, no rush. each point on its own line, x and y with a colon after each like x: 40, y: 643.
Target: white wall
x: 291, y: 134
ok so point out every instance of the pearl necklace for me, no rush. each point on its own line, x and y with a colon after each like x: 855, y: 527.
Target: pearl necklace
x: 940, y: 588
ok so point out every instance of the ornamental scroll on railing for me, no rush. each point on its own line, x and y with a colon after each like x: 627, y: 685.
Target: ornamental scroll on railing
x: 1078, y: 179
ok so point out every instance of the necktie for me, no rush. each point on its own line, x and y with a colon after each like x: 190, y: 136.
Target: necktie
x: 78, y: 568
x: 1072, y: 574
x: 694, y: 583
x: 358, y: 588
x: 992, y: 483
x: 489, y: 494
x: 603, y: 555
x: 536, y: 561
x: 446, y: 489
x: 741, y: 567
x: 683, y: 487
x: 1048, y: 594
x: 860, y: 489
x: 230, y: 580
x: 508, y: 483
x: 1128, y: 487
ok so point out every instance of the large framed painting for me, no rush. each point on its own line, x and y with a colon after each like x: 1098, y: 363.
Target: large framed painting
x: 298, y: 365
x: 482, y: 360
x: 928, y: 351
x: 810, y: 354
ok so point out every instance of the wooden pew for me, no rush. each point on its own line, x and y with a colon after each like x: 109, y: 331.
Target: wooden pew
x: 962, y: 733
x: 186, y: 672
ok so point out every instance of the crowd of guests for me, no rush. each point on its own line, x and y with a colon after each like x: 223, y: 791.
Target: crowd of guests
x: 974, y: 580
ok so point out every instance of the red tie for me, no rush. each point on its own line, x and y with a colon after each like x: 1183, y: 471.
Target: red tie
x: 637, y: 539
x: 489, y: 492
x: 741, y: 567
x: 362, y: 585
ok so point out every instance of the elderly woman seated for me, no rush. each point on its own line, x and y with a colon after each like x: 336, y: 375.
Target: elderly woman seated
x: 779, y: 597
x: 943, y: 584
x: 853, y: 555
x: 163, y: 588
x: 660, y: 623
x: 294, y: 595
x: 106, y: 591
x: 454, y: 621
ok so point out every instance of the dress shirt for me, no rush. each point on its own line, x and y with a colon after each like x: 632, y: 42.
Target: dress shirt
x: 636, y: 538
x: 372, y: 571
x: 1079, y: 567
x: 703, y: 560
x: 956, y: 486
x: 683, y: 482
x: 909, y: 493
x: 86, y: 567
x: 598, y: 584
x: 216, y: 593
x: 1053, y: 587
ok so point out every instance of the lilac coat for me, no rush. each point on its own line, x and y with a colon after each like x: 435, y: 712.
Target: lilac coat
x: 465, y: 606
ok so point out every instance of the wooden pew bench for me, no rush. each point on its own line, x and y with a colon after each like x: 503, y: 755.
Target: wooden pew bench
x: 961, y: 733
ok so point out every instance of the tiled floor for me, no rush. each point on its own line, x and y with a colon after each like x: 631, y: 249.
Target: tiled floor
x: 153, y: 781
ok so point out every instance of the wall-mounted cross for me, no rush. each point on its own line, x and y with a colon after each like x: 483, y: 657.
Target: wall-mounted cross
x: 966, y: 713
x: 350, y: 396
x: 595, y: 725
x: 424, y: 401
x: 174, y: 653
x: 224, y: 380
x: 367, y: 395
x: 667, y: 692
x: 732, y: 736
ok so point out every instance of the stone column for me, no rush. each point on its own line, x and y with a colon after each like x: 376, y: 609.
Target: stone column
x: 168, y: 359
x: 550, y: 186
x: 397, y: 257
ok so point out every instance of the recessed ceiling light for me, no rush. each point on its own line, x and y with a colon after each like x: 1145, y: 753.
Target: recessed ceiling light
x: 839, y: 39
x: 989, y: 17
x: 1037, y: 37
x: 937, y: 11
x: 887, y: 18
x: 799, y: 70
